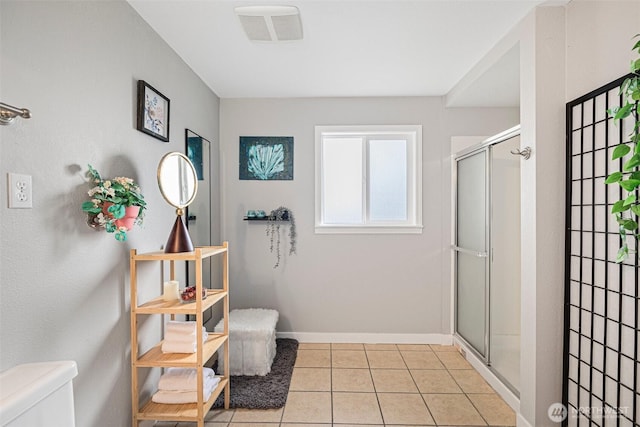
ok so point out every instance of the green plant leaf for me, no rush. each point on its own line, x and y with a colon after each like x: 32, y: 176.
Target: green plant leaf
x: 94, y: 174
x: 632, y: 163
x: 635, y: 65
x: 630, y: 184
x: 623, y: 112
x: 630, y: 200
x: 613, y: 178
x: 619, y: 207
x: 91, y: 208
x: 636, y: 209
x: 117, y: 211
x: 620, y: 151
x: 623, y: 252
x: 630, y: 225
x: 110, y: 227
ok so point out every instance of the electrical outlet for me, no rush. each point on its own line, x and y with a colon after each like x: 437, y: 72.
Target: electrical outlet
x: 19, y: 191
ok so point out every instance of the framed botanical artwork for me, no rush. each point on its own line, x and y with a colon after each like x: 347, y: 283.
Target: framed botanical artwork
x: 153, y: 112
x: 266, y: 158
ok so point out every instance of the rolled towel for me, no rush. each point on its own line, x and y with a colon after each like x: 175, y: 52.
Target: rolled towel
x: 182, y: 347
x: 176, y: 397
x: 188, y: 327
x: 183, y: 379
x: 177, y: 336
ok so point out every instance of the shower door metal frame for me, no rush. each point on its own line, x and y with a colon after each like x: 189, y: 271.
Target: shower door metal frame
x: 475, y: 149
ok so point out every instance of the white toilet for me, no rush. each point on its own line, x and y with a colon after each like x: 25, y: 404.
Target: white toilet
x: 38, y: 395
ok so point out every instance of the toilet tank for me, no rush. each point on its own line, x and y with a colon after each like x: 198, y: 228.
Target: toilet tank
x: 38, y: 395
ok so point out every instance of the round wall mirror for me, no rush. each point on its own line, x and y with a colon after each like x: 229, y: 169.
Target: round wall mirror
x: 178, y: 184
x: 177, y: 179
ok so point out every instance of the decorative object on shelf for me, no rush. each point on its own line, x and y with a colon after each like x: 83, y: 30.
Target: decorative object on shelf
x: 171, y: 290
x: 179, y: 185
x: 189, y: 294
x: 266, y: 158
x: 116, y: 204
x: 153, y: 112
x: 627, y: 210
x: 256, y: 214
x: 275, y: 218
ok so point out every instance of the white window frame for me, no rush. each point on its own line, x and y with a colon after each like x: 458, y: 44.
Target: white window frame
x: 413, y: 135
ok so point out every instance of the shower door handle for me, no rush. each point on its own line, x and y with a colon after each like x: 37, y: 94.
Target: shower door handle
x: 469, y: 251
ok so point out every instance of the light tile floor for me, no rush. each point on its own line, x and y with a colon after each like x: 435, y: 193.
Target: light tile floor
x: 377, y: 384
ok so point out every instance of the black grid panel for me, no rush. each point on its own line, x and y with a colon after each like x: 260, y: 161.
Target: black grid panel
x: 601, y: 369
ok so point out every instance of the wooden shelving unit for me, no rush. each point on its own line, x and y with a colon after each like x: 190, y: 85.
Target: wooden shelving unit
x: 155, y: 358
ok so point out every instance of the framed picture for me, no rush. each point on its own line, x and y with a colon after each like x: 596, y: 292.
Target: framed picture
x: 266, y: 157
x: 194, y: 152
x: 153, y: 112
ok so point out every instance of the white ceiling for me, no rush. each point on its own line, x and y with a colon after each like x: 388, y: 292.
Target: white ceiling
x: 350, y: 48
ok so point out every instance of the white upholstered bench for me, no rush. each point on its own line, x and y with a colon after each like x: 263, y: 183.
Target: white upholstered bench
x: 252, y: 341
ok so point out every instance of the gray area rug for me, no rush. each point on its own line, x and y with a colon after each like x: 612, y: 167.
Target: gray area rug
x: 269, y: 391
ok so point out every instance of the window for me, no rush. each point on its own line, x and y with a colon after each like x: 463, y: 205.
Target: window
x: 368, y: 179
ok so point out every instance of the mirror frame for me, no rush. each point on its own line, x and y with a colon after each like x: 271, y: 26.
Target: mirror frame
x: 208, y: 265
x: 160, y: 180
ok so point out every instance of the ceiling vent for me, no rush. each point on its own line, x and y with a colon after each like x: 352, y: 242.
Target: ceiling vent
x: 270, y: 23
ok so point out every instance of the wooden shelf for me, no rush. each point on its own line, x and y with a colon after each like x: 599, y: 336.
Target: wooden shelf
x: 160, y: 306
x: 207, y: 251
x: 179, y: 412
x: 155, y: 358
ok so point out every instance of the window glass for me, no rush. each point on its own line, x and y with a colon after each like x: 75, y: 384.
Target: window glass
x: 368, y: 179
x: 342, y: 184
x: 388, y: 180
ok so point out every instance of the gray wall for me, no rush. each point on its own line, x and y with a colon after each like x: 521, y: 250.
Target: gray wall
x: 344, y: 287
x: 64, y: 290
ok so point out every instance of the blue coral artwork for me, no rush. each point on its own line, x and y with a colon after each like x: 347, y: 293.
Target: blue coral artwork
x: 266, y: 158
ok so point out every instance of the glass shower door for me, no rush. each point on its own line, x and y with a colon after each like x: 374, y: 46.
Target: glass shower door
x: 471, y: 251
x: 504, y: 336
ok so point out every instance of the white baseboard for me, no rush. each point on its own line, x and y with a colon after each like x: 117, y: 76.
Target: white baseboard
x: 521, y: 422
x: 367, y: 338
x: 509, y: 397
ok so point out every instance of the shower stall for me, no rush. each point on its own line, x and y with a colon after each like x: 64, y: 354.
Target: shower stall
x: 486, y: 253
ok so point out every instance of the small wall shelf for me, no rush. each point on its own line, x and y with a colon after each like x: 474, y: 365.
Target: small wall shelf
x: 285, y: 218
x: 266, y: 218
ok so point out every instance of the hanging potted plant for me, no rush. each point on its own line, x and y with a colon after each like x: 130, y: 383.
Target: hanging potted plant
x: 275, y: 218
x: 627, y: 209
x: 116, y: 204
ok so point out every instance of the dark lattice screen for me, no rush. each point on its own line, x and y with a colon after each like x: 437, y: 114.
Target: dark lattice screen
x: 601, y: 383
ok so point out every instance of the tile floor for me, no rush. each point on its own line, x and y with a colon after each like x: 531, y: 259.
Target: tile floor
x: 377, y: 384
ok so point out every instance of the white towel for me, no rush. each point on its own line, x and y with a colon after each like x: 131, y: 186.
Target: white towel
x: 177, y: 336
x: 176, y: 397
x: 182, y: 347
x: 188, y: 327
x: 183, y: 379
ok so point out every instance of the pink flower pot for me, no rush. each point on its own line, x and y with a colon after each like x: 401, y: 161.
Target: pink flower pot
x: 129, y: 218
